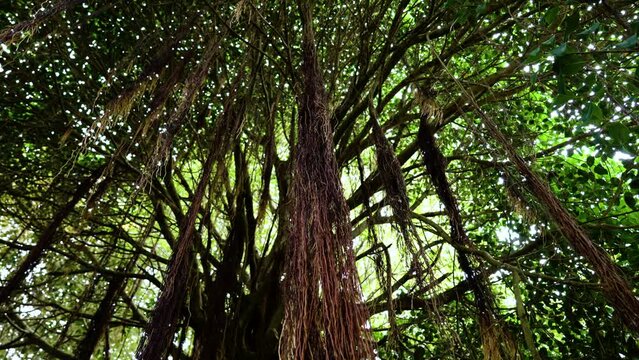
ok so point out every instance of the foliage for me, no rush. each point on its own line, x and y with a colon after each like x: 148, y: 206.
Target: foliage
x: 148, y: 161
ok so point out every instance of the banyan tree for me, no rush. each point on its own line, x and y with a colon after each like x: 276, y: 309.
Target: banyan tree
x: 385, y: 179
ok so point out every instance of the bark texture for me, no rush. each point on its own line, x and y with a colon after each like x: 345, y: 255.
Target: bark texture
x: 324, y: 311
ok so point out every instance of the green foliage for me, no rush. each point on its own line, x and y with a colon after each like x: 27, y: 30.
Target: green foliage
x: 79, y: 91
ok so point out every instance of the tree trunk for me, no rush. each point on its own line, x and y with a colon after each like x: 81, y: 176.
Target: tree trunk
x: 324, y: 315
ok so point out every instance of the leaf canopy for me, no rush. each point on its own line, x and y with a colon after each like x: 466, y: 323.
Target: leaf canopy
x: 131, y: 98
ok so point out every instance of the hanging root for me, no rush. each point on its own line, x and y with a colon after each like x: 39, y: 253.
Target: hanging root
x: 117, y: 109
x: 190, y: 91
x: 269, y: 161
x: 396, y: 196
x: 164, y: 320
x: 46, y: 238
x: 517, y: 198
x: 615, y: 287
x: 16, y: 32
x: 391, y: 172
x: 492, y: 334
x: 324, y: 310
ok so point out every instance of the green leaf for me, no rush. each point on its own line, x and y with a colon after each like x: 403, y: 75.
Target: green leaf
x: 628, y: 164
x: 550, y: 41
x: 628, y: 43
x: 591, y: 30
x: 633, y: 88
x: 569, y: 64
x: 551, y: 15
x: 634, y: 184
x: 463, y: 14
x: 534, y: 55
x: 482, y: 8
x: 634, y: 78
x: 615, y: 181
x: 562, y: 98
x: 420, y: 353
x: 629, y: 198
x: 561, y: 88
x: 571, y: 22
x: 599, y: 169
x: 560, y: 50
x: 604, y: 106
x: 619, y: 133
x: 592, y: 114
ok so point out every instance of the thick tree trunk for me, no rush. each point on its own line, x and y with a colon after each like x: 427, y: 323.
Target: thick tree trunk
x: 324, y: 313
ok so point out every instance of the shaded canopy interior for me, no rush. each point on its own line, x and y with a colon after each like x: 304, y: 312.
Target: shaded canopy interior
x: 443, y: 179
